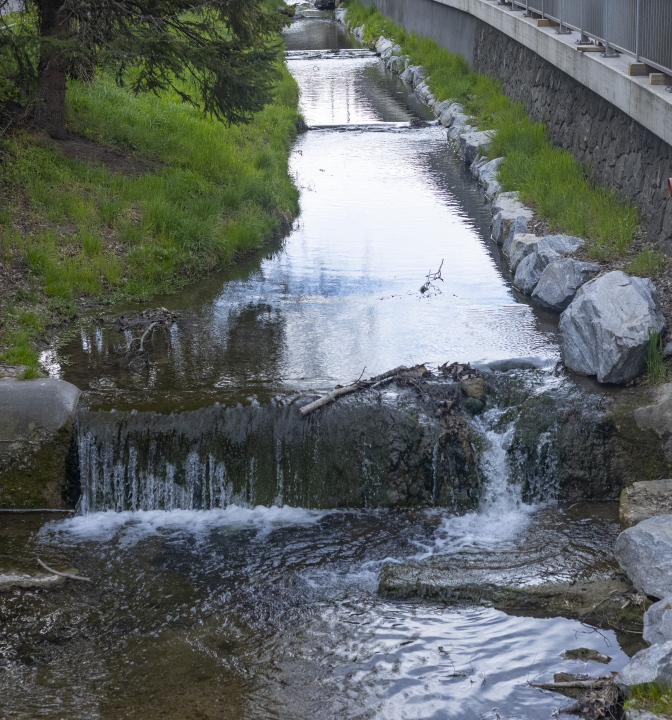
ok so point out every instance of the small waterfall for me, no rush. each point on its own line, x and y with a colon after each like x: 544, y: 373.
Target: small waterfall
x: 358, y: 453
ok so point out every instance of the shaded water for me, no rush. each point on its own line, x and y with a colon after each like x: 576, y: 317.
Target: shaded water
x: 269, y: 611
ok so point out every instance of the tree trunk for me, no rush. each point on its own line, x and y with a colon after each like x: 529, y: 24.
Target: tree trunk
x: 52, y: 70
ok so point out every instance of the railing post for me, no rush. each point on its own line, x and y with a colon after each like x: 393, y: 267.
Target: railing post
x: 609, y: 52
x: 583, y: 38
x: 562, y: 30
x: 543, y: 14
x: 527, y: 9
x: 637, y: 21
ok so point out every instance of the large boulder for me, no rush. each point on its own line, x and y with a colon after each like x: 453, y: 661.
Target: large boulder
x: 530, y: 269
x: 658, y: 622
x: 560, y: 281
x: 645, y: 553
x: 36, y: 436
x: 509, y: 216
x: 605, y: 329
x: 651, y: 665
x: 643, y: 500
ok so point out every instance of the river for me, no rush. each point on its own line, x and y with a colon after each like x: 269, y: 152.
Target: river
x: 233, y: 609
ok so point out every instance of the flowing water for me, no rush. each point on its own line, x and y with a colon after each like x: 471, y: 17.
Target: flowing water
x: 217, y: 597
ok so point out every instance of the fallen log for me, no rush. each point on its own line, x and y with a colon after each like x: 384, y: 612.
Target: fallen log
x: 354, y: 387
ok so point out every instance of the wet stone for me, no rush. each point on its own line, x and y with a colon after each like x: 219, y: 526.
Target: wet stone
x: 644, y: 500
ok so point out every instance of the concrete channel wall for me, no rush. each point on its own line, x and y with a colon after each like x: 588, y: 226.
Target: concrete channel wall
x: 619, y: 126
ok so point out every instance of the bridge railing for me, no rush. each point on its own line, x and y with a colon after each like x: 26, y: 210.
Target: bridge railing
x: 641, y: 28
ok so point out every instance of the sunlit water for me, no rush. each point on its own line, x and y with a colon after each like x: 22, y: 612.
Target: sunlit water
x: 273, y: 612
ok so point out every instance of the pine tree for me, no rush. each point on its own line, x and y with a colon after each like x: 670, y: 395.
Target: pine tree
x: 223, y: 50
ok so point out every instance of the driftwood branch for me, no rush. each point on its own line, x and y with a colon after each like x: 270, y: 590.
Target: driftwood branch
x: 62, y: 574
x: 354, y: 387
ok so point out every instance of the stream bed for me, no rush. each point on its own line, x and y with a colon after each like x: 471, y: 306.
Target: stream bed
x: 228, y: 608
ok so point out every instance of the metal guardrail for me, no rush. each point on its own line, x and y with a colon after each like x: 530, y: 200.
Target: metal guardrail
x: 641, y: 28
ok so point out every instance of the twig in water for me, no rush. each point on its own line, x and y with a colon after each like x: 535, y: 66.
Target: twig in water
x: 62, y: 574
x: 431, y: 277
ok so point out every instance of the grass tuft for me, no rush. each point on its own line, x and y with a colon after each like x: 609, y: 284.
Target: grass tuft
x: 653, y: 697
x: 649, y: 261
x: 656, y: 365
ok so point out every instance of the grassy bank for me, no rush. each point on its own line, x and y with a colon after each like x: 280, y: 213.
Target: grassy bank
x: 149, y: 196
x: 546, y: 176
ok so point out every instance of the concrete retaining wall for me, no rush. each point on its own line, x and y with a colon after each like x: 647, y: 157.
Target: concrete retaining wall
x: 617, y: 125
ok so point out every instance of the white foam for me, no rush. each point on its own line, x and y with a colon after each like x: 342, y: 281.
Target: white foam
x: 502, y: 514
x: 132, y: 526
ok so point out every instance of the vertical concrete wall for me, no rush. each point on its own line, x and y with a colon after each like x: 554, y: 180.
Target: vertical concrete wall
x: 451, y: 28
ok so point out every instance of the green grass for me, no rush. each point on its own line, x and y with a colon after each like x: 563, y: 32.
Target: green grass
x: 647, y: 262
x: 546, y: 176
x: 207, y: 194
x: 653, y: 697
x: 656, y: 365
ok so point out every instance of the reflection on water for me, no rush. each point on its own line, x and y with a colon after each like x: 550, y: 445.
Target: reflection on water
x: 379, y: 210
x: 273, y: 613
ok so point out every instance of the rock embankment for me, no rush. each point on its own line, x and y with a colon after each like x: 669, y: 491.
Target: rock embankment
x: 36, y: 442
x: 644, y: 551
x: 606, y: 320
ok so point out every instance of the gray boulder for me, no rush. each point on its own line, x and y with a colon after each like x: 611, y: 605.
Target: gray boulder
x: 605, y: 329
x: 509, y: 216
x: 560, y: 280
x: 658, y: 622
x: 520, y: 247
x: 645, y: 553
x: 471, y: 144
x: 485, y: 171
x: 531, y: 268
x: 450, y: 112
x: 35, y: 438
x: 651, y: 665
x: 643, y: 500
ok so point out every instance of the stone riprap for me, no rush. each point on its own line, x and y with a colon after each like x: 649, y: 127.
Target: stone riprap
x: 549, y: 249
x: 485, y: 171
x: 641, y: 715
x: 645, y: 553
x: 658, y: 622
x: 605, y: 330
x: 471, y: 144
x: 521, y: 245
x: 658, y: 417
x: 643, y: 500
x: 560, y: 281
x: 509, y: 217
x: 651, y: 665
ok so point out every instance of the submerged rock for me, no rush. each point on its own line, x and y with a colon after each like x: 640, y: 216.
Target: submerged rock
x: 605, y: 329
x: 658, y: 622
x: 644, y: 500
x: 560, y: 281
x: 586, y: 654
x: 11, y: 580
x: 653, y: 664
x: 645, y: 553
